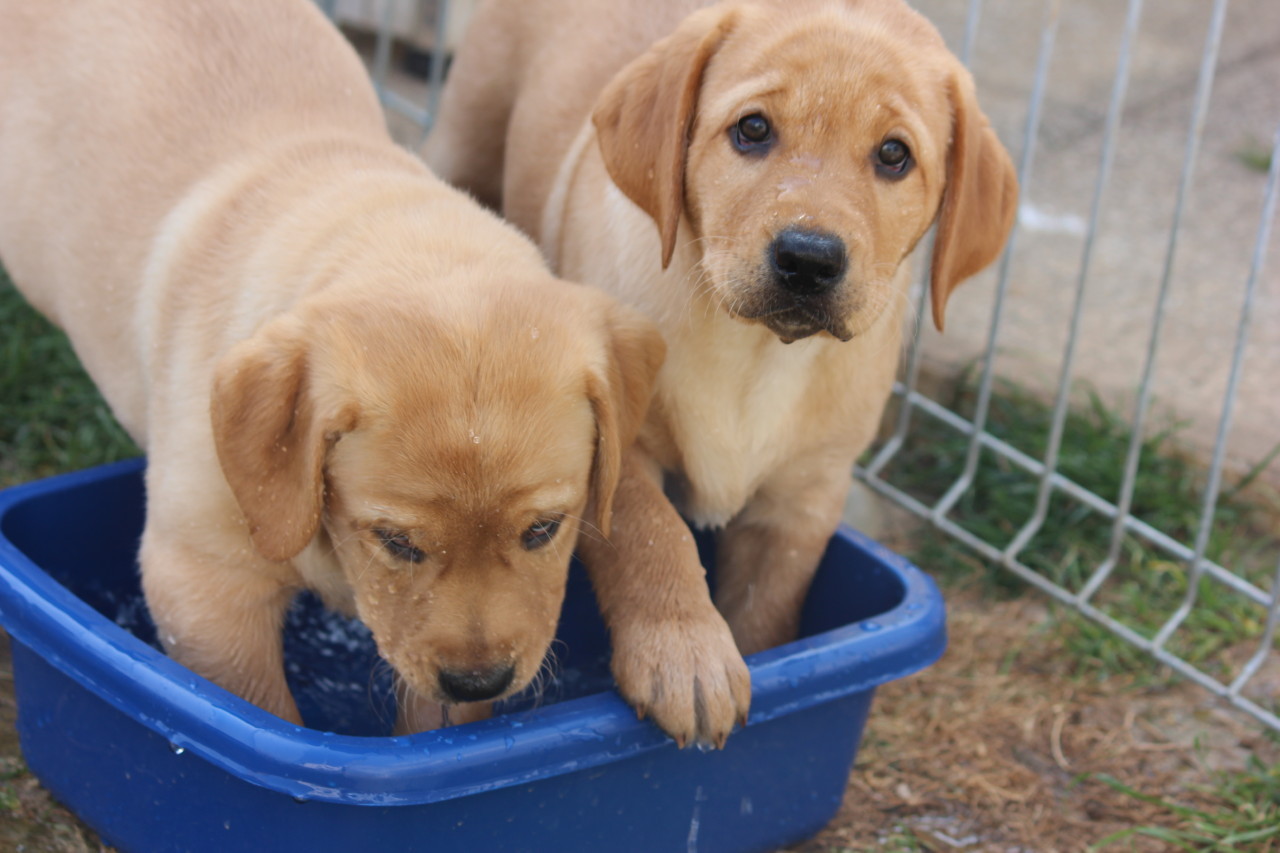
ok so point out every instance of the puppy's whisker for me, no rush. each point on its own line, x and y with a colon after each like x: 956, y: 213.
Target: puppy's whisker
x: 335, y: 544
x: 709, y: 297
x: 701, y: 288
x: 696, y: 281
x: 369, y: 561
x: 376, y: 672
x: 338, y: 543
x: 546, y: 674
x: 588, y: 529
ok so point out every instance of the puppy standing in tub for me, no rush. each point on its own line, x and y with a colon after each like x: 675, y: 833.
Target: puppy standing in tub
x: 754, y: 175
x: 347, y: 376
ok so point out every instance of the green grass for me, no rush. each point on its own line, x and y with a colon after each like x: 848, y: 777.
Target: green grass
x: 899, y: 840
x: 52, y: 419
x: 1248, y: 818
x: 11, y: 769
x: 1147, y: 585
x: 1254, y: 155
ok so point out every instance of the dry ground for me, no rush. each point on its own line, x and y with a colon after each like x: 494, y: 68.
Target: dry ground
x: 998, y: 747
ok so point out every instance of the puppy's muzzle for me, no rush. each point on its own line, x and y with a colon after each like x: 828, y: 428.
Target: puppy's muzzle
x: 475, y: 685
x: 799, y: 292
x: 807, y: 263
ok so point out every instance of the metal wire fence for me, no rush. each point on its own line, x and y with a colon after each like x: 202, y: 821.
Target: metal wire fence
x: 1233, y: 682
x: 1248, y: 674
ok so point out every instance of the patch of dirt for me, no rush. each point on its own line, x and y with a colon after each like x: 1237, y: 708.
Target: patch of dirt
x: 998, y: 747
x: 994, y: 748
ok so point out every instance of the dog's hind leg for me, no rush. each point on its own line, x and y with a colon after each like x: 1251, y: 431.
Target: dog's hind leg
x: 767, y: 555
x: 467, y: 142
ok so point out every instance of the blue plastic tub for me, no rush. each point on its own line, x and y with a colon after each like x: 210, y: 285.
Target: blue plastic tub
x: 156, y: 758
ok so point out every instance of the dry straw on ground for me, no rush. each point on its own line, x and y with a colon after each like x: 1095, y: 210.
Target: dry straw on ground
x: 998, y: 747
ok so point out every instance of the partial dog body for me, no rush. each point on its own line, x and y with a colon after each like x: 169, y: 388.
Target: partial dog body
x: 791, y: 154
x: 347, y: 376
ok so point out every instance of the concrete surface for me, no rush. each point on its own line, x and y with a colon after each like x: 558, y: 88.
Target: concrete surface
x: 1220, y: 223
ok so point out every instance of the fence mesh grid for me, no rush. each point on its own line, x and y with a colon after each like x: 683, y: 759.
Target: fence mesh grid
x: 1185, y: 603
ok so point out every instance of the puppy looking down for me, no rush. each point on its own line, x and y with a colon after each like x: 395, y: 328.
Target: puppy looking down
x: 753, y: 175
x: 347, y: 376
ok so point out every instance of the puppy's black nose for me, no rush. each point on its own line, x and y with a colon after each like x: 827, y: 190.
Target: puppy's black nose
x: 807, y: 262
x: 475, y: 685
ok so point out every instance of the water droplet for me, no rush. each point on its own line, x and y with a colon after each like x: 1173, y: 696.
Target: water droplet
x: 175, y: 749
x: 870, y: 626
x: 510, y: 742
x: 533, y: 332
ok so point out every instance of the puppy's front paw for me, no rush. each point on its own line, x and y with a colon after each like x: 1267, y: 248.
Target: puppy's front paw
x: 685, y: 673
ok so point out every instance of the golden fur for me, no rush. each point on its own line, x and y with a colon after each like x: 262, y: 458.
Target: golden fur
x: 347, y: 376
x: 607, y: 132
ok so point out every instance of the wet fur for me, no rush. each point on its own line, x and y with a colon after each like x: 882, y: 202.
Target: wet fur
x: 313, y: 338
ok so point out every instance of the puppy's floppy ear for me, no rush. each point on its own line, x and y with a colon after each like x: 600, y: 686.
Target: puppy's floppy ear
x: 619, y: 396
x: 980, y: 199
x: 644, y: 116
x: 270, y: 438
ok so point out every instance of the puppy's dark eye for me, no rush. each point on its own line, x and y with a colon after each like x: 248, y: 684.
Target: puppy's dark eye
x: 752, y: 134
x: 893, y: 159
x: 540, y: 533
x: 399, y: 545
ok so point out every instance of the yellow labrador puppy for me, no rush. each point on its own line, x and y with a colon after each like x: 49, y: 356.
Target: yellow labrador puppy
x: 753, y: 175
x: 348, y: 376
